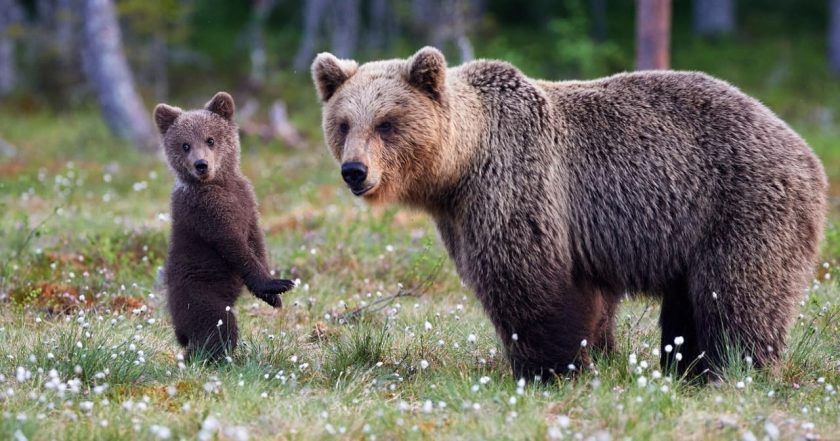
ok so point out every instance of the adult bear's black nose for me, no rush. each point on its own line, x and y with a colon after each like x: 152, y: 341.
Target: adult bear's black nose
x: 354, y: 173
x: 201, y: 166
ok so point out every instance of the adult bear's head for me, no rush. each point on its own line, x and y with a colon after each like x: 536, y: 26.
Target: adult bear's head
x: 387, y: 123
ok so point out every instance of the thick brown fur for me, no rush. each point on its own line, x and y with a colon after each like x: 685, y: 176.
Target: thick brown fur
x: 556, y: 198
x: 216, y: 245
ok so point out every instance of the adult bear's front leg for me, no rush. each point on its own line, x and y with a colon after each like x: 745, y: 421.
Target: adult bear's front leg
x: 543, y: 329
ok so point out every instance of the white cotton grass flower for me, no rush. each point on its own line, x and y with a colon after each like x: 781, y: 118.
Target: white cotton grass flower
x: 679, y: 340
x: 642, y: 381
x: 583, y: 343
x: 424, y: 364
x: 471, y: 338
x: 668, y: 348
x: 515, y: 337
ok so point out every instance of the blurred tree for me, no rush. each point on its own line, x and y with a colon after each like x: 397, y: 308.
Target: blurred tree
x: 598, y: 9
x: 383, y: 26
x: 11, y: 17
x: 834, y: 37
x: 261, y: 10
x: 341, y: 19
x: 313, y: 12
x: 577, y: 54
x: 714, y: 17
x: 110, y: 77
x: 152, y: 30
x: 443, y: 22
x: 653, y: 34
x: 344, y: 27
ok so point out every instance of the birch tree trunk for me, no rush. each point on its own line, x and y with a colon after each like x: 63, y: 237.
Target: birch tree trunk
x: 653, y: 34
x: 313, y: 11
x: 261, y: 11
x: 344, y: 27
x: 109, y: 75
x: 714, y: 17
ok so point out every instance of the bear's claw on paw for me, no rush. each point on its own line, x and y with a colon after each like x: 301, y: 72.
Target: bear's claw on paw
x: 270, y: 292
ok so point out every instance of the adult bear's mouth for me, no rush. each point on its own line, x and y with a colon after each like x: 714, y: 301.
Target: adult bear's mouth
x: 361, y: 191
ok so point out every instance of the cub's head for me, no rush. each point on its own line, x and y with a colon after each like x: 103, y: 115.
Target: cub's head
x: 385, y: 122
x: 200, y: 145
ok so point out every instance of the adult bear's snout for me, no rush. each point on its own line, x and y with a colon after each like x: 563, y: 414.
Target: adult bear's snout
x: 354, y: 173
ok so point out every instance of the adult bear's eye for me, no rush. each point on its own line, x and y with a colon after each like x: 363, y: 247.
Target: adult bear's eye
x: 186, y: 147
x: 211, y: 142
x: 385, y: 127
x: 344, y: 128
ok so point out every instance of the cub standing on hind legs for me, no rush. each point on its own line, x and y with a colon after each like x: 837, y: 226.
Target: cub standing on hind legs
x: 216, y: 244
x: 555, y: 198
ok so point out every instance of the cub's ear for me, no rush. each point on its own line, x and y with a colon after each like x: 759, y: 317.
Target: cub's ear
x: 165, y: 116
x: 329, y: 73
x: 222, y: 105
x: 427, y: 72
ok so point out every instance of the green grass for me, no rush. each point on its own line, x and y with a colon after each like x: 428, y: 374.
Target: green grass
x: 87, y: 352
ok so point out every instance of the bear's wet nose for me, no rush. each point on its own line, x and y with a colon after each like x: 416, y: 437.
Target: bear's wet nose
x: 354, y: 173
x: 201, y: 166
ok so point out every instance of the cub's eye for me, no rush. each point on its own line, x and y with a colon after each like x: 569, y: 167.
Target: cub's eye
x: 186, y: 147
x: 385, y: 127
x: 344, y: 128
x: 211, y: 141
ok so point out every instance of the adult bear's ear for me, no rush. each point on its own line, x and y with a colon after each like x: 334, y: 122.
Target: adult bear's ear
x: 427, y: 72
x: 165, y: 116
x: 329, y: 73
x: 222, y: 105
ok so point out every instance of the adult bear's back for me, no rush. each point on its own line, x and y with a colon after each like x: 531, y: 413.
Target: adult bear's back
x: 657, y: 161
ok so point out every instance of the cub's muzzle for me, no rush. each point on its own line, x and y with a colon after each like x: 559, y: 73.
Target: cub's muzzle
x: 201, y: 167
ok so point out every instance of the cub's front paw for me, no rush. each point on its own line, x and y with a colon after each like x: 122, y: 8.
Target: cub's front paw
x: 270, y: 291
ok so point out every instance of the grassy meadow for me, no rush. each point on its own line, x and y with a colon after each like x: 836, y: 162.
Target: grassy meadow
x: 379, y: 341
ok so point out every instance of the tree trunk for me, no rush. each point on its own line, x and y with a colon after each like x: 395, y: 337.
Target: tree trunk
x: 109, y: 75
x: 459, y: 30
x: 383, y: 26
x: 834, y: 37
x: 714, y: 17
x: 344, y: 27
x: 261, y: 11
x: 160, y: 72
x: 598, y: 9
x: 313, y: 11
x: 10, y: 15
x: 653, y: 34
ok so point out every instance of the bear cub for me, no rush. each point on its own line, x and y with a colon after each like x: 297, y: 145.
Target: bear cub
x: 216, y: 245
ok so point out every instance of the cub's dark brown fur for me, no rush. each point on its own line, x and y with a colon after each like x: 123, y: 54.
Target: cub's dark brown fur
x: 216, y: 244
x: 555, y: 198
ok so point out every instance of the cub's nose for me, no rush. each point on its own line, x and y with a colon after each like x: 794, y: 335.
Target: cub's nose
x: 200, y: 166
x: 354, y: 173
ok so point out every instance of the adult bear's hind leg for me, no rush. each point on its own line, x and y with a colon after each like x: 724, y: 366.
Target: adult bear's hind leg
x: 680, y: 344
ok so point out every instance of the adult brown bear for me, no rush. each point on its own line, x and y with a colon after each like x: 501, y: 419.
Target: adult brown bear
x: 555, y: 198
